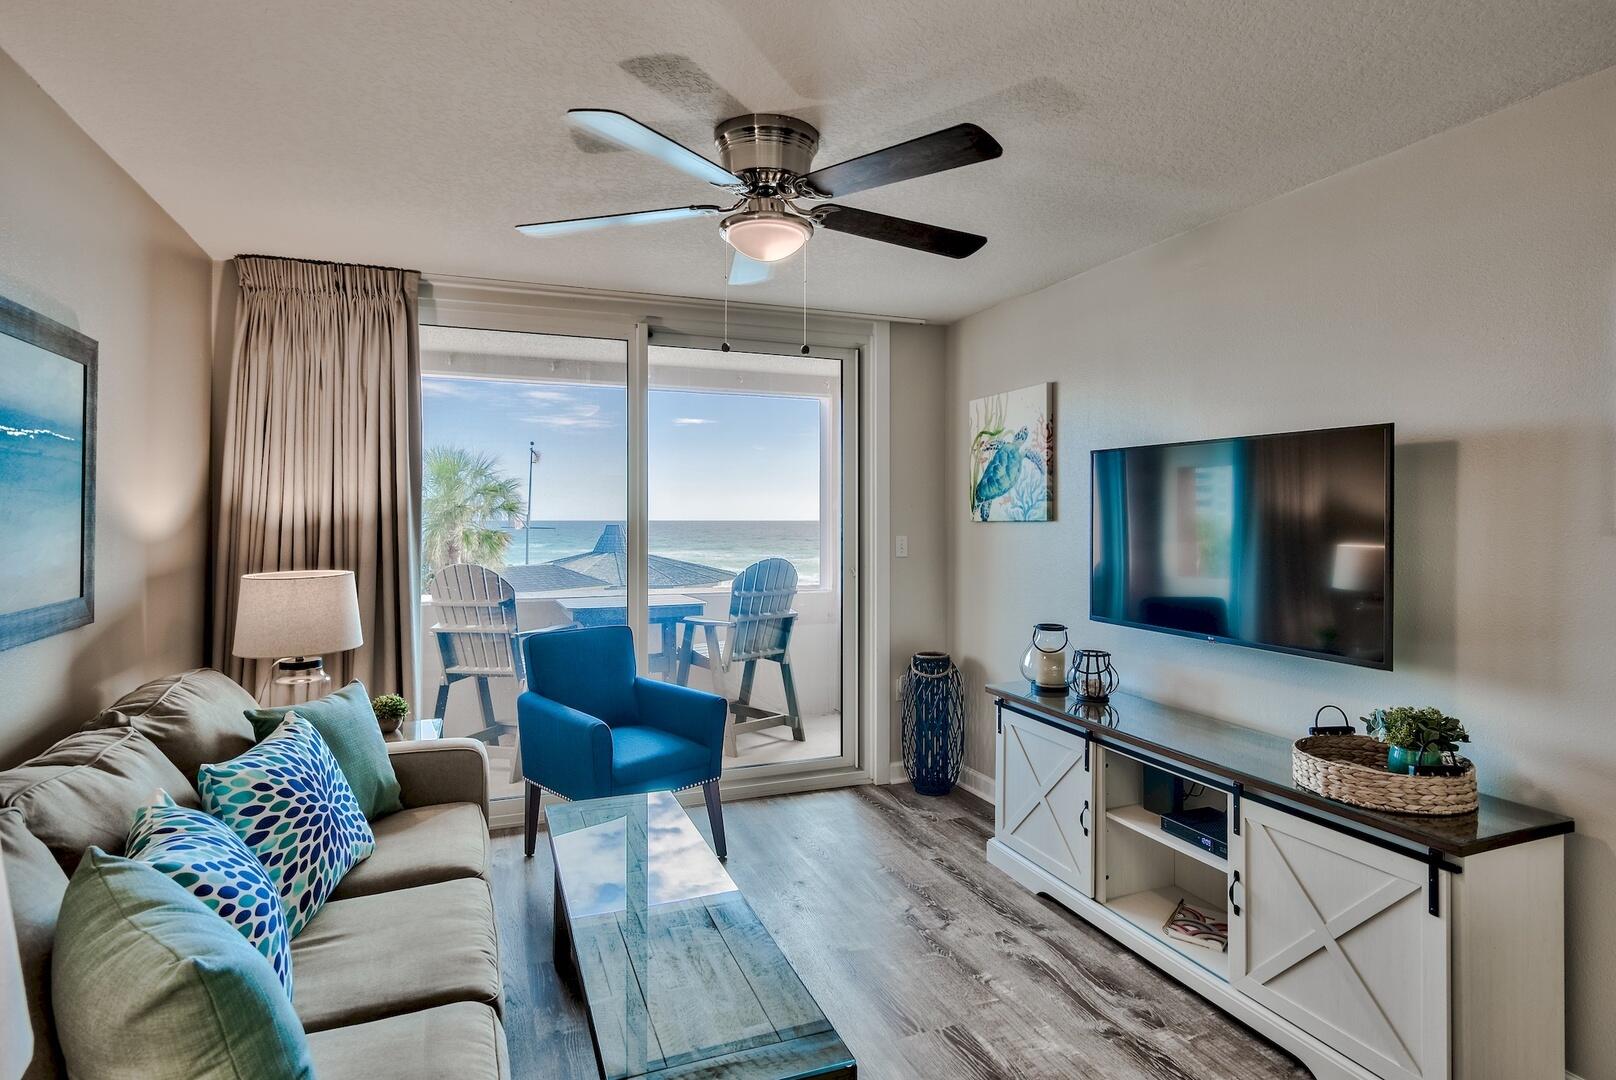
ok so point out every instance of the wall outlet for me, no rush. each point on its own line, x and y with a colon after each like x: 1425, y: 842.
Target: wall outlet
x: 903, y: 546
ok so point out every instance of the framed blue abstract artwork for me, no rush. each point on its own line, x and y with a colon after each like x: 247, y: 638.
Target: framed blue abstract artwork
x: 47, y: 476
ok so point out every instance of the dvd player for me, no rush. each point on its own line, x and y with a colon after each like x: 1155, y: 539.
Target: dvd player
x: 1204, y: 826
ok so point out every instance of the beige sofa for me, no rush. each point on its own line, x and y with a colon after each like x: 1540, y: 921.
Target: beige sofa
x: 398, y: 975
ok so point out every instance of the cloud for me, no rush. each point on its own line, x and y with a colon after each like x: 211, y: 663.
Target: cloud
x: 449, y: 388
x: 578, y: 414
x: 547, y: 395
x: 687, y: 421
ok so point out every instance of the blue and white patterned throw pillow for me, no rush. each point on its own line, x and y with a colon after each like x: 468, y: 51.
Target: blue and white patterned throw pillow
x: 288, y: 800
x: 210, y: 862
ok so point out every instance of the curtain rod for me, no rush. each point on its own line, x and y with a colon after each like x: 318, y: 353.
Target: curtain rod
x: 328, y: 262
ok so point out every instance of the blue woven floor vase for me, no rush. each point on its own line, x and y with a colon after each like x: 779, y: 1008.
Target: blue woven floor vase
x: 933, y: 723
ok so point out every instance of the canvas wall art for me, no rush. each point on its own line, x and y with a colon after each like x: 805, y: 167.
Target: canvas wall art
x: 47, y: 476
x: 1012, y: 471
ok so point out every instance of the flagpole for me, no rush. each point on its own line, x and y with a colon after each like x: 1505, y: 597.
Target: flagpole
x: 527, y: 524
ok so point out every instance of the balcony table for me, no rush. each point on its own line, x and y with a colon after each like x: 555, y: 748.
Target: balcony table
x: 612, y: 610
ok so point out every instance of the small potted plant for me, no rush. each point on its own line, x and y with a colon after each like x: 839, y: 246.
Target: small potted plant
x: 1415, y: 738
x: 390, y: 711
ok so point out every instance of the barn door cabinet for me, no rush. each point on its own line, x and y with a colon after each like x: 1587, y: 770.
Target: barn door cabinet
x: 1373, y: 947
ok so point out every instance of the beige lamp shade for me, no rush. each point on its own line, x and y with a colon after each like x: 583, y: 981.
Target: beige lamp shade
x: 16, y: 1031
x: 1359, y: 568
x: 297, y: 613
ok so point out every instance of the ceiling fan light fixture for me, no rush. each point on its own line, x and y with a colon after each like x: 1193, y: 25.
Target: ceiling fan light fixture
x: 766, y: 235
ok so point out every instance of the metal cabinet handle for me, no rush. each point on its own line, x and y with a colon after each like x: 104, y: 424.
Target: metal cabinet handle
x: 1083, y: 818
x: 1234, y: 907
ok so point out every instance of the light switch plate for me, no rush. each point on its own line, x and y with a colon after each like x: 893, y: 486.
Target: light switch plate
x: 903, y: 546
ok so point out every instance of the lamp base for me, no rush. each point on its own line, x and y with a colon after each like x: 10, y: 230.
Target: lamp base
x: 295, y: 680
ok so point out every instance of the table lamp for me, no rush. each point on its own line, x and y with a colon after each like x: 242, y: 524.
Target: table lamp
x: 16, y: 1030
x: 296, y: 617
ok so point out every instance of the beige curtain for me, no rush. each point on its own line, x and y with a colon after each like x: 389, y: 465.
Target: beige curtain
x: 322, y: 451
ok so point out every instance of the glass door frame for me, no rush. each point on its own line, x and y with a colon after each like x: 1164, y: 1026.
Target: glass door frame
x: 847, y: 554
x: 636, y: 321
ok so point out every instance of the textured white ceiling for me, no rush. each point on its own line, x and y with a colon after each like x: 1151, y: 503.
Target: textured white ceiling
x: 418, y: 133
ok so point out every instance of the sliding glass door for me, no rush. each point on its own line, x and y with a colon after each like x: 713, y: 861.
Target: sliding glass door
x: 525, y: 472
x: 746, y: 455
x: 699, y: 496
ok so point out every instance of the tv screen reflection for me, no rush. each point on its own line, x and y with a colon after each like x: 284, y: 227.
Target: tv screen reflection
x: 1276, y: 541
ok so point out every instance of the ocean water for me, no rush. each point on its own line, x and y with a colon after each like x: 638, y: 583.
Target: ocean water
x: 729, y: 545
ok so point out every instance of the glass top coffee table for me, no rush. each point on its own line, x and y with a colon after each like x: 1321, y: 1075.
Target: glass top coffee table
x: 679, y: 978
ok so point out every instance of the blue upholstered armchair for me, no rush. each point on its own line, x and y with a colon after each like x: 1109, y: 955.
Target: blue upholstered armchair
x: 590, y: 727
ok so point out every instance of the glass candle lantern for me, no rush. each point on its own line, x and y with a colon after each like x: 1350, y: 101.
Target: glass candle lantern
x: 1044, y: 663
x: 1092, y: 677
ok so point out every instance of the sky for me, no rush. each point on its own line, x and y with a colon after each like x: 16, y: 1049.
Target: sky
x: 714, y: 456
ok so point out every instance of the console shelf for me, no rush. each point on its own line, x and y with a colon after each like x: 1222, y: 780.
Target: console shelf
x: 1148, y: 825
x: 1148, y: 909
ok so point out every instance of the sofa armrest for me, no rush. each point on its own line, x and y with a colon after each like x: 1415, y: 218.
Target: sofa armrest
x: 434, y: 771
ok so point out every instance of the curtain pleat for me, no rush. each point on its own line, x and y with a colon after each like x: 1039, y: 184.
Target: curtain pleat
x: 322, y: 445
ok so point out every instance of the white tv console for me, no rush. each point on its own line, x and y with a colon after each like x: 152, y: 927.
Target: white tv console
x: 1371, y: 946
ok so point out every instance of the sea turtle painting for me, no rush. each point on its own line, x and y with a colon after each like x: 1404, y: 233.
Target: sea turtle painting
x: 1011, y: 455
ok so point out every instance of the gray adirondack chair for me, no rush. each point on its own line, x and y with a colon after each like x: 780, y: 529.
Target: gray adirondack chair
x: 758, y: 628
x: 476, y: 620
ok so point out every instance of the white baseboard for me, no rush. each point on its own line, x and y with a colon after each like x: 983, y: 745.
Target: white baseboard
x: 971, y: 780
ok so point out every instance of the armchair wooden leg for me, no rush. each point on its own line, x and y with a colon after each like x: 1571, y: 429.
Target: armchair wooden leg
x: 443, y: 699
x: 715, y: 817
x: 531, y: 794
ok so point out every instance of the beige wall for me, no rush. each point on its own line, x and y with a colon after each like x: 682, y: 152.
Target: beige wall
x: 1465, y: 288
x: 82, y: 243
x: 919, y: 613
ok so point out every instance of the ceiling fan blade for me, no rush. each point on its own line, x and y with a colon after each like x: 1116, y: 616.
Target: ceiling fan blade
x: 962, y: 144
x: 571, y: 226
x: 745, y: 271
x: 630, y: 134
x: 895, y: 230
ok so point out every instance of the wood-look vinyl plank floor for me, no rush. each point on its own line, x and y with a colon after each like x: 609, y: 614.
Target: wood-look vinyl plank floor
x: 930, y: 963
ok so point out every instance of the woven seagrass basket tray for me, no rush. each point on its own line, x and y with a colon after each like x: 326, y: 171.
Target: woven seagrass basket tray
x: 1352, y: 769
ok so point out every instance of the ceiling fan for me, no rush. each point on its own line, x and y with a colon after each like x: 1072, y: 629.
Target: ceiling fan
x: 767, y: 164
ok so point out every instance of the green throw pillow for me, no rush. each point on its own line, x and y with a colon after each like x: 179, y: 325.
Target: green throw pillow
x: 348, y: 725
x: 148, y: 984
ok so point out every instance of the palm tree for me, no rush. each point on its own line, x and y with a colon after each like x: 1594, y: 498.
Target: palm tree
x: 462, y: 492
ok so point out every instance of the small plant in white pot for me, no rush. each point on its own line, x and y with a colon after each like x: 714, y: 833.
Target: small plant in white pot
x: 1415, y: 737
x: 390, y: 711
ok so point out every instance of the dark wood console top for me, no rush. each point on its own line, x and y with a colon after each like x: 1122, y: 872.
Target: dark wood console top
x: 1261, y: 762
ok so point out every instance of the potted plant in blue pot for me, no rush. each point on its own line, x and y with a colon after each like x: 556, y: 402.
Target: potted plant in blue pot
x: 1415, y: 737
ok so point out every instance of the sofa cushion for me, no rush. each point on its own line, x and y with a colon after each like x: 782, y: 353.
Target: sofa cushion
x: 421, y: 847
x: 464, y: 1040
x: 147, y: 982
x: 194, y: 717
x: 35, y: 885
x: 206, y: 859
x: 375, y: 956
x: 348, y: 724
x: 288, y: 800
x: 85, y: 790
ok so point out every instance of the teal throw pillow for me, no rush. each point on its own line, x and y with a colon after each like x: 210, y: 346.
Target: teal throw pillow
x: 209, y: 861
x: 348, y: 724
x: 148, y: 984
x: 287, y: 799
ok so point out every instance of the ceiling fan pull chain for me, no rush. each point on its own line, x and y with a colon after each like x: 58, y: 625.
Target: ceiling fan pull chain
x: 724, y: 345
x: 805, y: 301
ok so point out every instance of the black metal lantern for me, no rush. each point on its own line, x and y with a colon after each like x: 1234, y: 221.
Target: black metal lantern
x: 1092, y: 677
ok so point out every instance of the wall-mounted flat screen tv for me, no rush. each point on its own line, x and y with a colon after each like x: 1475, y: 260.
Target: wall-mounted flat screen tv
x: 1279, y: 542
